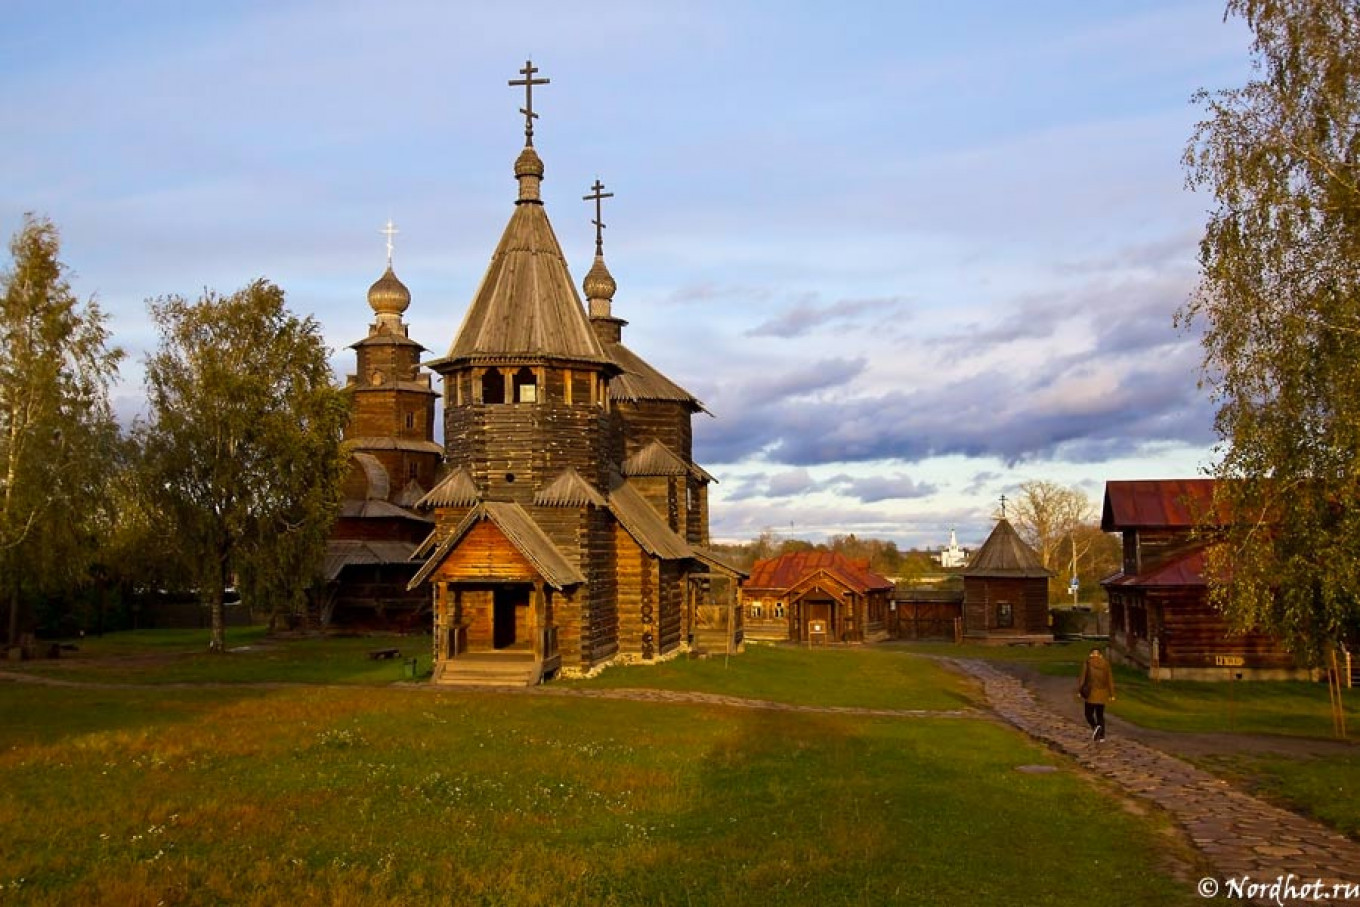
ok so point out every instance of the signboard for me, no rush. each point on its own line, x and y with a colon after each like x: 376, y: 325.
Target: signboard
x: 1229, y: 661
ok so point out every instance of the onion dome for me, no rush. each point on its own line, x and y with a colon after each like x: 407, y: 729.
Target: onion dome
x: 388, y: 295
x: 599, y: 283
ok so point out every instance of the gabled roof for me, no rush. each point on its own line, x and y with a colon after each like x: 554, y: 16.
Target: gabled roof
x: 457, y: 489
x: 713, y: 559
x: 644, y: 524
x: 1005, y: 554
x: 410, y: 494
x: 639, y: 381
x: 340, y: 553
x: 798, y: 567
x: 372, y: 509
x: 519, y: 530
x: 1156, y: 503
x: 656, y: 459
x: 569, y: 490
x: 527, y: 305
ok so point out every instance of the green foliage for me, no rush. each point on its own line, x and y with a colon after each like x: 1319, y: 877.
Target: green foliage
x: 243, y: 447
x: 57, y: 431
x: 1280, y: 305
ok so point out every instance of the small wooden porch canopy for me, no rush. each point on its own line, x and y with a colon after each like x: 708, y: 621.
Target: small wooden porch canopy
x: 1005, y: 591
x: 494, y: 579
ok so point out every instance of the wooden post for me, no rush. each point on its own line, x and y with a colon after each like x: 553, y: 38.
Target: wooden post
x: 1334, y: 693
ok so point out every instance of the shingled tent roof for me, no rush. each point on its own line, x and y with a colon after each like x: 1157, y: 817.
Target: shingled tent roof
x: 527, y: 306
x: 1005, y: 554
x: 656, y: 459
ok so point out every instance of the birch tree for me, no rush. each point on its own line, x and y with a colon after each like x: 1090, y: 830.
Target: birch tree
x: 243, y: 443
x: 56, y: 426
x: 1279, y: 305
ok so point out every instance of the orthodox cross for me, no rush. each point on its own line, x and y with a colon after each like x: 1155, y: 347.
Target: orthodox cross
x: 1003, y: 507
x: 528, y: 109
x: 389, y: 231
x: 598, y: 195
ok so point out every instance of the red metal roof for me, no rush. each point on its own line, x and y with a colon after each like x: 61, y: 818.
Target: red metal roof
x: 1156, y: 503
x: 1186, y: 570
x: 788, y: 570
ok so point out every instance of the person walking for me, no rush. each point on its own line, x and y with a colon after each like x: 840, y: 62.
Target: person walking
x: 1096, y: 687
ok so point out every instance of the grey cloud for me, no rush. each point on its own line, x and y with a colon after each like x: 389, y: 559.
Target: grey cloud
x: 804, y: 317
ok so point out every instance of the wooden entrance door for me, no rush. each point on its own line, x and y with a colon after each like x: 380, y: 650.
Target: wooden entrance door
x: 510, y: 617
x: 817, y: 626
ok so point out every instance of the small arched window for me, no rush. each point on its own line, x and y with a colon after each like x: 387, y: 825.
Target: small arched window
x: 526, y: 386
x: 493, y: 386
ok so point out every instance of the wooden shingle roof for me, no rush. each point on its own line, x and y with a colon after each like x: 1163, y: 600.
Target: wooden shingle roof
x: 527, y: 306
x: 521, y: 531
x: 656, y: 459
x: 457, y: 489
x: 645, y: 525
x: 638, y: 381
x: 1005, y: 554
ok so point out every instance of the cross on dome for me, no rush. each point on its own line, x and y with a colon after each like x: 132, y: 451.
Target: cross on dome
x: 597, y: 195
x: 528, y: 109
x: 389, y: 231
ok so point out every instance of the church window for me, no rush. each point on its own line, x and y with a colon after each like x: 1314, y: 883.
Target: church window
x: 526, y: 386
x: 493, y: 386
x: 411, y: 470
x: 410, y: 420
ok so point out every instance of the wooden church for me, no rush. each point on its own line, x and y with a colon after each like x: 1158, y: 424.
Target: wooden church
x: 393, y: 463
x: 571, y: 521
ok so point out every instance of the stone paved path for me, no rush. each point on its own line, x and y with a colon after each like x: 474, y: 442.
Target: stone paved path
x: 1241, y: 836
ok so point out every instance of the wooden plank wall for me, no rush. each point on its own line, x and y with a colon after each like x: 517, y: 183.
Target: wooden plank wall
x: 1028, y: 597
x: 1192, y: 634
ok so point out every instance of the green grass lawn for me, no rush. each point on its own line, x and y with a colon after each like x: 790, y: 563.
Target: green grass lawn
x: 1325, y: 787
x: 182, y: 656
x: 352, y: 795
x: 863, y: 677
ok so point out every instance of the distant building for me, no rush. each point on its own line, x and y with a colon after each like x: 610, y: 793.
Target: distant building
x: 952, y: 557
x: 815, y: 597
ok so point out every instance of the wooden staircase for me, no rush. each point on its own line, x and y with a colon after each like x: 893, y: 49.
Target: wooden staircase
x: 490, y: 669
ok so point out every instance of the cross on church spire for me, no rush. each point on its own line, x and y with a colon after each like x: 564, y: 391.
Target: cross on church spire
x: 528, y: 109
x: 1003, y: 507
x: 598, y: 194
x: 389, y: 231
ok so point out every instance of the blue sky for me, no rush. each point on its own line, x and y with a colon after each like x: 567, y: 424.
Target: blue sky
x: 910, y: 255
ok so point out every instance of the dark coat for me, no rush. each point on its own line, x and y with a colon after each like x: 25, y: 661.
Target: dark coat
x: 1096, y: 683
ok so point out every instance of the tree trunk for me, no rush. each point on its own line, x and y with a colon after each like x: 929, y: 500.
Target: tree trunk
x: 216, y: 607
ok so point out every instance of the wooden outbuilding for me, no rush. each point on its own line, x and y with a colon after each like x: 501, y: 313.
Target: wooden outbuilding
x: 1005, y: 591
x: 815, y: 597
x: 571, y: 521
x: 1160, y: 616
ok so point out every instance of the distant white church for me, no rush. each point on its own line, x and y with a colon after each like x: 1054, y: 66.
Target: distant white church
x: 952, y: 557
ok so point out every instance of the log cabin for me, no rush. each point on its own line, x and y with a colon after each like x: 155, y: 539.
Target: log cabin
x: 1161, y: 620
x: 816, y: 598
x: 571, y: 523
